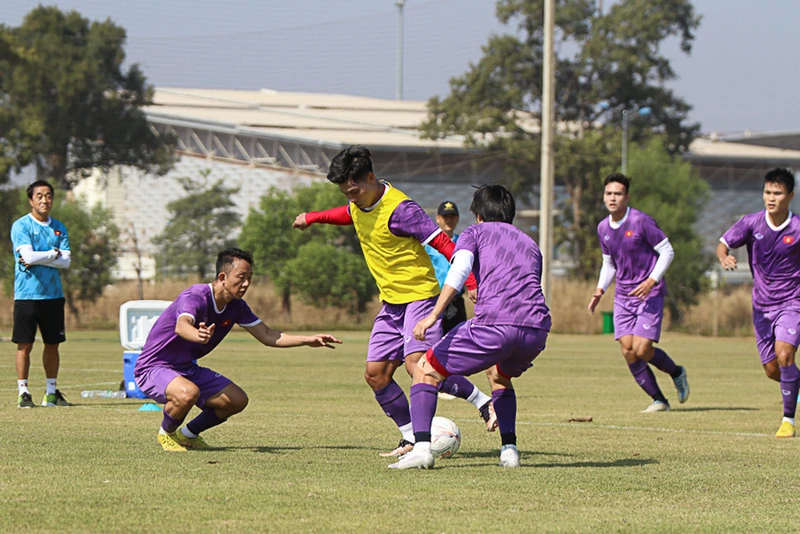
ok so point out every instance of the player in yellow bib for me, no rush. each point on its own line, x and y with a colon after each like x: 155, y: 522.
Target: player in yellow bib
x: 393, y: 231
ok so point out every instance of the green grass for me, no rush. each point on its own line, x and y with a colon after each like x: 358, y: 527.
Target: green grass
x: 303, y: 456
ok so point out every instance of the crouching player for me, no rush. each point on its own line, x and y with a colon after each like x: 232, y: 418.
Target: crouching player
x: 508, y: 331
x: 189, y: 329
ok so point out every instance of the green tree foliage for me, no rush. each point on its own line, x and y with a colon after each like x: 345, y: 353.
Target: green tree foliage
x: 65, y: 103
x: 13, y: 205
x: 94, y: 245
x: 201, y: 224
x: 323, y: 264
x: 669, y: 190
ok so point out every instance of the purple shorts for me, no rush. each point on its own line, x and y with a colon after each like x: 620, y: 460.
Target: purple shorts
x: 153, y: 382
x: 641, y: 318
x: 470, y: 348
x: 775, y: 325
x: 392, y: 336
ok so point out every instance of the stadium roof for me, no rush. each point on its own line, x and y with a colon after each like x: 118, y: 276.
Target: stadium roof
x: 341, y: 120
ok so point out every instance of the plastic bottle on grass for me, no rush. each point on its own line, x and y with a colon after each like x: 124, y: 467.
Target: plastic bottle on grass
x: 102, y: 394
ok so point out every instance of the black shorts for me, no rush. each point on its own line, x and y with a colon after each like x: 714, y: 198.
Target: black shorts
x: 454, y: 314
x: 48, y: 315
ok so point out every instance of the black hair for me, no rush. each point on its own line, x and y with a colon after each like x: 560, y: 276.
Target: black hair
x: 780, y: 175
x: 226, y: 257
x: 40, y: 183
x: 354, y: 162
x: 619, y: 178
x: 493, y: 203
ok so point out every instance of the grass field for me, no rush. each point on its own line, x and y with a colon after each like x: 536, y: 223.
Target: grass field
x: 303, y: 456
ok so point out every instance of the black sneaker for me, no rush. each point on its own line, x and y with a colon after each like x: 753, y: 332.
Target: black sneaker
x: 488, y: 416
x: 25, y: 401
x: 55, y: 399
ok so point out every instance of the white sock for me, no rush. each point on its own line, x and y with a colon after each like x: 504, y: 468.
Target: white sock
x: 162, y: 431
x: 408, y: 432
x: 50, y: 389
x: 478, y: 398
x: 788, y: 420
x: 22, y: 386
x: 423, y: 447
x: 188, y: 433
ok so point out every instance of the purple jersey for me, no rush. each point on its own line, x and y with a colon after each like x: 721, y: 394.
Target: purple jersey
x: 774, y: 257
x: 165, y: 347
x: 508, y: 267
x: 631, y: 244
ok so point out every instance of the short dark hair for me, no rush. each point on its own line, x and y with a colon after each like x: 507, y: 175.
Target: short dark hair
x: 39, y: 183
x: 353, y: 162
x: 226, y: 257
x: 493, y: 203
x: 620, y: 179
x: 780, y: 175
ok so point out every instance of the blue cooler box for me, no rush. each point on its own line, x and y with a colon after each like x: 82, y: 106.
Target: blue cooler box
x: 136, y: 318
x: 129, y: 358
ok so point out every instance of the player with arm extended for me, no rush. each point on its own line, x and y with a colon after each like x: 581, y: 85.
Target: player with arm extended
x: 190, y: 328
x: 771, y: 237
x: 41, y: 250
x: 392, y: 230
x: 508, y: 332
x: 637, y: 252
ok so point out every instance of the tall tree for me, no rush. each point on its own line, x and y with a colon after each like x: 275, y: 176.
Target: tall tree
x: 607, y: 63
x: 65, y: 103
x: 94, y: 245
x: 201, y: 224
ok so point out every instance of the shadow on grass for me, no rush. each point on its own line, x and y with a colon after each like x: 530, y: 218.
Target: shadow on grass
x: 718, y: 409
x: 625, y: 462
x: 495, y: 454
x: 261, y: 449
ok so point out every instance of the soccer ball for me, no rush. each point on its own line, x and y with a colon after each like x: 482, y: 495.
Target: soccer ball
x: 445, y: 437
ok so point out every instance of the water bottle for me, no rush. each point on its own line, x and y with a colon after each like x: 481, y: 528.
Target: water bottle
x: 102, y: 394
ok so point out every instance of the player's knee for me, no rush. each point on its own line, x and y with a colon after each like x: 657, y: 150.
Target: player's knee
x: 186, y: 395
x: 376, y: 381
x: 239, y: 402
x: 772, y: 371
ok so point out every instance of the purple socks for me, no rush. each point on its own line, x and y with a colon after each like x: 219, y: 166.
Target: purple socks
x: 394, y: 403
x: 169, y: 423
x: 662, y: 362
x: 208, y: 418
x: 505, y: 406
x: 790, y: 380
x: 645, y: 378
x: 423, y: 408
x: 457, y: 386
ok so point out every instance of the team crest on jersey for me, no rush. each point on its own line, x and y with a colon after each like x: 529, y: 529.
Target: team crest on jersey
x: 226, y: 322
x: 606, y: 237
x: 57, y: 232
x: 758, y: 236
x: 788, y: 239
x: 629, y: 233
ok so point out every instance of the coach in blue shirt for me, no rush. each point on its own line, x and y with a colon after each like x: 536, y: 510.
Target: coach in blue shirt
x: 41, y: 248
x: 447, y: 219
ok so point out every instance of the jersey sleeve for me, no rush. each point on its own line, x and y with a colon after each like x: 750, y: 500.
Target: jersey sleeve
x: 63, y: 240
x: 410, y: 220
x: 192, y: 305
x: 653, y: 234
x: 467, y: 241
x: 738, y: 234
x: 603, y: 246
x: 246, y: 315
x: 20, y: 235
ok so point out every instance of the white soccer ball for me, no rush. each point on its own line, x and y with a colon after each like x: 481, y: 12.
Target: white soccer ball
x: 445, y: 437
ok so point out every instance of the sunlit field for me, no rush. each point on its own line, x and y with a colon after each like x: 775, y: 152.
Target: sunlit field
x: 303, y: 457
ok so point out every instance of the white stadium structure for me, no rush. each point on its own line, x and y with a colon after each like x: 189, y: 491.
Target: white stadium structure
x: 259, y: 139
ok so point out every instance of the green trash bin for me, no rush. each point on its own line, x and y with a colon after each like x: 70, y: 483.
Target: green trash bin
x: 608, y: 322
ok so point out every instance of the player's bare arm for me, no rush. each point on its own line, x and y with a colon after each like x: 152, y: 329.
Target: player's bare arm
x: 727, y: 261
x: 275, y: 338
x: 445, y: 298
x: 185, y: 328
x: 598, y: 294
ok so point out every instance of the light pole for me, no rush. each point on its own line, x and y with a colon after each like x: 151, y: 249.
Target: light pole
x: 400, y: 4
x: 625, y: 116
x: 547, y: 164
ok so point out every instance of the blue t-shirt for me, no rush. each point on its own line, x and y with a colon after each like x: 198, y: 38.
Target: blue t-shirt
x: 440, y: 264
x: 37, y: 282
